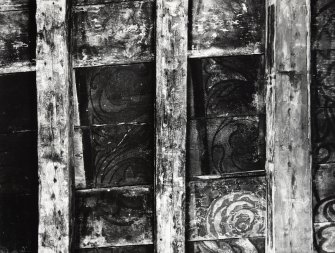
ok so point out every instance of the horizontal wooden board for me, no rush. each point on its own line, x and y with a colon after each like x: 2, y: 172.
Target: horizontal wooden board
x: 323, y: 24
x: 230, y: 208
x: 113, y: 32
x: 123, y: 249
x: 116, y: 94
x: 18, y: 223
x: 17, y: 37
x: 237, y: 25
x: 241, y: 245
x: 18, y: 102
x: 324, y: 237
x: 119, y: 155
x: 324, y: 193
x: 114, y: 217
x: 18, y: 163
x: 323, y: 78
x: 226, y: 86
x: 225, y: 145
x: 323, y: 135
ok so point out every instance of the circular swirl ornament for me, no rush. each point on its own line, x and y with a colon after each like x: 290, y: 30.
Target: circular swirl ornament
x: 238, y: 214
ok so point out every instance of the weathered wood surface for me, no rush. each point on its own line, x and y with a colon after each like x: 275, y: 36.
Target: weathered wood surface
x: 171, y: 103
x: 252, y: 245
x: 116, y: 94
x: 119, y: 155
x: 325, y: 237
x: 17, y: 38
x: 18, y: 102
x: 229, y: 208
x: 230, y: 27
x: 53, y: 75
x: 225, y: 145
x: 323, y: 135
x: 227, y: 86
x: 6, y: 5
x: 113, y: 32
x: 18, y: 222
x: 323, y: 24
x: 123, y: 249
x: 288, y: 128
x: 114, y: 217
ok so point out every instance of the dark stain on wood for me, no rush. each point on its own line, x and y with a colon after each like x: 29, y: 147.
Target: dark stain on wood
x: 116, y: 94
x: 254, y: 245
x: 113, y: 32
x: 114, y: 217
x: 122, y: 249
x: 229, y: 208
x: 228, y: 26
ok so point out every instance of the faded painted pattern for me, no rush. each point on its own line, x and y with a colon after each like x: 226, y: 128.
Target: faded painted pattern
x: 104, y: 34
x: 231, y: 26
x: 230, y: 208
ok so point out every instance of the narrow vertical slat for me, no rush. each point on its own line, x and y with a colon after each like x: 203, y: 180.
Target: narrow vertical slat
x: 288, y: 127
x: 53, y: 76
x: 171, y: 71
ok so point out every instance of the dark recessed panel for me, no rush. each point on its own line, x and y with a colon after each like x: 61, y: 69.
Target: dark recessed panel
x: 226, y: 86
x: 231, y: 25
x: 226, y: 208
x: 123, y: 249
x: 116, y: 94
x: 252, y: 245
x: 18, y: 102
x: 114, y: 217
x: 225, y: 145
x: 119, y: 155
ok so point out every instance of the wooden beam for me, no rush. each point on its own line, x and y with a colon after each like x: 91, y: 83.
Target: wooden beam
x: 53, y: 77
x: 171, y: 71
x: 288, y: 123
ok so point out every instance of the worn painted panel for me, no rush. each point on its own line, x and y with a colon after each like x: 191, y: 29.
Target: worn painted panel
x: 123, y: 249
x: 108, y: 33
x: 229, y: 208
x: 324, y: 135
x: 114, y: 217
x: 323, y: 82
x: 17, y: 37
x: 18, y: 102
x: 230, y: 27
x: 226, y: 86
x: 250, y: 245
x: 18, y: 163
x: 325, y: 237
x: 116, y: 94
x: 119, y: 155
x: 323, y: 24
x: 18, y: 223
x: 225, y: 145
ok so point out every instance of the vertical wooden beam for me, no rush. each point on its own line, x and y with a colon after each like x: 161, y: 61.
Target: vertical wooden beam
x: 171, y: 72
x: 53, y: 73
x: 288, y: 123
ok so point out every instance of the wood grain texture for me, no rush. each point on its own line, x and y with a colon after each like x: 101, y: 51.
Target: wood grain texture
x: 18, y: 102
x: 114, y: 217
x: 123, y: 249
x: 226, y: 86
x: 229, y: 208
x: 53, y: 75
x: 218, y: 146
x: 17, y: 37
x: 171, y: 103
x: 227, y: 26
x: 252, y: 245
x: 288, y: 135
x: 116, y: 94
x: 113, y: 32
